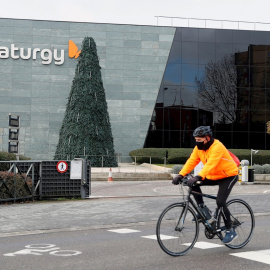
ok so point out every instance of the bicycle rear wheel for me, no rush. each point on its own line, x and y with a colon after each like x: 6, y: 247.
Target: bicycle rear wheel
x: 243, y: 222
x: 174, y: 238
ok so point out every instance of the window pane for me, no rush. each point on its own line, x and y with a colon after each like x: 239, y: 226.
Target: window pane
x: 223, y: 50
x: 207, y: 35
x: 189, y: 96
x: 206, y: 52
x: 178, y: 34
x: 172, y: 74
x: 241, y: 36
x: 259, y: 37
x: 189, y: 74
x: 175, y: 53
x: 224, y: 36
x: 190, y: 34
x: 190, y: 52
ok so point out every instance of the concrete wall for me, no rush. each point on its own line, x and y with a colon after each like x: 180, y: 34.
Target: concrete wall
x: 132, y: 58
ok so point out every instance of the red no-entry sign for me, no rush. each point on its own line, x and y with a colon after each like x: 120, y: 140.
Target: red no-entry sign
x: 62, y: 166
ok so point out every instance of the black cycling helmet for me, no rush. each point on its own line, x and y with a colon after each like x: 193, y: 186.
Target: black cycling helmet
x: 202, y: 131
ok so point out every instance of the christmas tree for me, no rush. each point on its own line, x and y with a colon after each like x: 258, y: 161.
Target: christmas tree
x: 86, y: 130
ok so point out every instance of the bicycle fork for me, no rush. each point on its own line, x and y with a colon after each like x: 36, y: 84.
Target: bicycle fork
x: 180, y: 224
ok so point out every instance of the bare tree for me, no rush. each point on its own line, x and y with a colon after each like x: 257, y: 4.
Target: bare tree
x: 217, y: 89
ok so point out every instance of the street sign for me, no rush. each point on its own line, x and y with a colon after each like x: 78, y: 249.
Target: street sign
x: 62, y: 166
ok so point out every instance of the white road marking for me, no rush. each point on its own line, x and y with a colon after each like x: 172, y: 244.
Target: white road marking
x: 38, y: 249
x: 204, y: 245
x: 262, y: 256
x: 163, y: 237
x: 124, y: 231
x: 266, y: 191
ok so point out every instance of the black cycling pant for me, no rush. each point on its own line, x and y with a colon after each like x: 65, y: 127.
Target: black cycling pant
x: 225, y: 187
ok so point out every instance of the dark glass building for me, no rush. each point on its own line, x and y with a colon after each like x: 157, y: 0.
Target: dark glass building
x: 214, y: 77
x: 160, y: 83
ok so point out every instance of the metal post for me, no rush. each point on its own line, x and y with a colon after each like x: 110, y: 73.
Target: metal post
x: 102, y: 162
x: 14, y: 170
x: 83, y: 179
x: 33, y: 179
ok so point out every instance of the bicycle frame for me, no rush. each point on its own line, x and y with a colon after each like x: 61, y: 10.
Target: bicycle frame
x: 198, y: 211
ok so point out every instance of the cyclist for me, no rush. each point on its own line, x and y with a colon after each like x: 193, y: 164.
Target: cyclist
x: 219, y: 169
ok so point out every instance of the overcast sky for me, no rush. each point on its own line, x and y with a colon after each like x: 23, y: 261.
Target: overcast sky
x: 140, y: 12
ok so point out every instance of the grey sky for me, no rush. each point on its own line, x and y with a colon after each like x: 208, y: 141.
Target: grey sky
x: 140, y: 12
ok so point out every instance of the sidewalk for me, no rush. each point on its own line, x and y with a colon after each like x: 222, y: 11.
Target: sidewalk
x: 103, y: 189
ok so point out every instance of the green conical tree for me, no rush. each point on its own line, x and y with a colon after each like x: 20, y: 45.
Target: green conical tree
x: 86, y: 129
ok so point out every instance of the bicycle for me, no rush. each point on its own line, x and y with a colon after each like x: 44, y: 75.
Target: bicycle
x: 177, y: 228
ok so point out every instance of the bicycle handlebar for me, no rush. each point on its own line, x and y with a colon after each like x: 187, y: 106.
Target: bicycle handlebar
x: 187, y: 177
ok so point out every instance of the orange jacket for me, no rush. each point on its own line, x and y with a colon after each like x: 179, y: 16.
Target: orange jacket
x: 217, y: 161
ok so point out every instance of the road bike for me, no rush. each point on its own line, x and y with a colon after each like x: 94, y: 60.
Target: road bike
x: 177, y: 228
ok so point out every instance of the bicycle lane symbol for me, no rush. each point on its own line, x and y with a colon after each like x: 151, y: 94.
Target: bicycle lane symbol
x: 40, y: 249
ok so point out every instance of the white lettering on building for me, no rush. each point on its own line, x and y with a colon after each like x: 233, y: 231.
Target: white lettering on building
x: 46, y: 55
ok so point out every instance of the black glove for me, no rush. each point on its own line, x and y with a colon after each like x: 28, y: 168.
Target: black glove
x: 193, y: 180
x: 178, y: 179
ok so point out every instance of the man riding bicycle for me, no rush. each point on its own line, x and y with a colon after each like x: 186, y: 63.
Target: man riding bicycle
x: 219, y: 169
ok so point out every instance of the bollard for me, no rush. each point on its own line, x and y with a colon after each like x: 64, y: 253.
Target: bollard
x: 244, y: 164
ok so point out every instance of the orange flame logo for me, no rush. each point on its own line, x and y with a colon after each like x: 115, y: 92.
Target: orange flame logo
x: 73, y: 51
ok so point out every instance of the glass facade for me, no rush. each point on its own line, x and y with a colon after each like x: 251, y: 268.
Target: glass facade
x: 214, y: 77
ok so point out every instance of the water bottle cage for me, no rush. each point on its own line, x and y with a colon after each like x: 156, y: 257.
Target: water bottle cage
x: 205, y: 212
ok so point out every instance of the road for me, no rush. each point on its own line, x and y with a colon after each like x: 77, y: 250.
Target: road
x: 117, y: 233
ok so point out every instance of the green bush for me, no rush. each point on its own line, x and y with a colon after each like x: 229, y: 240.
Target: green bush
x: 262, y: 157
x: 180, y: 155
x: 176, y: 169
x: 5, y: 156
x: 266, y: 168
x: 143, y: 155
x: 15, y: 185
x: 258, y: 169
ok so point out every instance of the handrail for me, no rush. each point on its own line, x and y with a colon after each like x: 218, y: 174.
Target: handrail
x: 255, y: 24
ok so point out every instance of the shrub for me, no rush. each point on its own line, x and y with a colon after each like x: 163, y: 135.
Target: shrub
x: 266, y: 168
x: 258, y: 169
x: 180, y: 155
x: 14, y: 185
x: 5, y: 156
x: 176, y: 169
x: 143, y: 155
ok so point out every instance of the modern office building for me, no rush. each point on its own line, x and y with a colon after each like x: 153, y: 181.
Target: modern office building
x: 160, y: 83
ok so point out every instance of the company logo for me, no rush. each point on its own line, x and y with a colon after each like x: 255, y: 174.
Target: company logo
x: 73, y: 51
x: 46, y: 55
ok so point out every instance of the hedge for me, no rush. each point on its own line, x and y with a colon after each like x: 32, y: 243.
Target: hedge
x: 14, y: 185
x: 180, y: 155
x: 5, y: 156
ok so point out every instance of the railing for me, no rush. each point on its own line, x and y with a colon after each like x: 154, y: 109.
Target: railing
x: 17, y: 183
x: 211, y: 23
x: 27, y: 179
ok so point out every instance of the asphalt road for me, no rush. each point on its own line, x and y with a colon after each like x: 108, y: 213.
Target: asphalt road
x: 81, y: 235
x: 134, y: 248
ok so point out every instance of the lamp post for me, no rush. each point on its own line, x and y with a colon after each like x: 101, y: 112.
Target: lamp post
x: 251, y: 152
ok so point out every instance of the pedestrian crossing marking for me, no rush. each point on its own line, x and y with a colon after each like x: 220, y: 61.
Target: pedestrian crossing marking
x: 124, y: 231
x: 262, y: 256
x: 163, y: 237
x: 204, y: 245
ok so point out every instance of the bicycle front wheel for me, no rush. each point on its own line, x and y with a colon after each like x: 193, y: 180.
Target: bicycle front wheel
x: 243, y: 222
x: 175, y: 237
